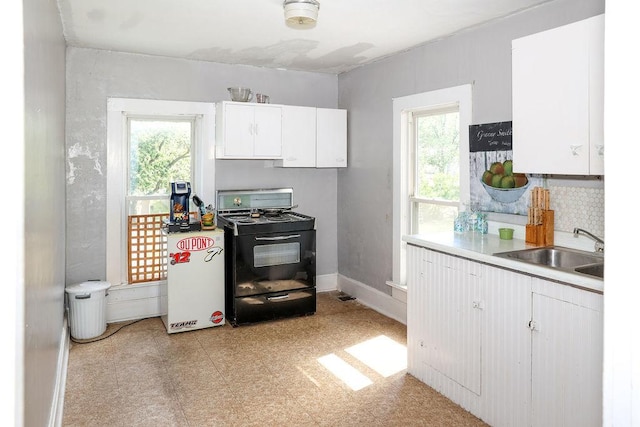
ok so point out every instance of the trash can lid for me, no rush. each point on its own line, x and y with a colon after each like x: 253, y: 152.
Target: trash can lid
x: 87, y: 287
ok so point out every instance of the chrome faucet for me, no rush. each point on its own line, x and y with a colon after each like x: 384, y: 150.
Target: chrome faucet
x: 599, y: 245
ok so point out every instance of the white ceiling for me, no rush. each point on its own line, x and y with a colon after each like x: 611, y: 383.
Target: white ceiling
x: 349, y: 33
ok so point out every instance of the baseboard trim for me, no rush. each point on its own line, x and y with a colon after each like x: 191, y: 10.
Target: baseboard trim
x: 136, y: 301
x: 373, y: 298
x: 327, y: 282
x: 57, y: 402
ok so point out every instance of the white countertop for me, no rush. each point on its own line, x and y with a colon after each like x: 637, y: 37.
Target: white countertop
x: 481, y: 247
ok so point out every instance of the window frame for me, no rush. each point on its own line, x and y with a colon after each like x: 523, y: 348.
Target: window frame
x: 203, y: 158
x: 403, y: 107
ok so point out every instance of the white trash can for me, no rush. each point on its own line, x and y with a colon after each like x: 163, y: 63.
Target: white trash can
x: 88, y: 309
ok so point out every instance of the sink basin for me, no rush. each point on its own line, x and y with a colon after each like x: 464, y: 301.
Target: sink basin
x: 596, y: 270
x: 572, y: 260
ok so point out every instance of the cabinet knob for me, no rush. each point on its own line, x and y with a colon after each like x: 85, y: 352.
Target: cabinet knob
x: 600, y: 149
x: 574, y: 149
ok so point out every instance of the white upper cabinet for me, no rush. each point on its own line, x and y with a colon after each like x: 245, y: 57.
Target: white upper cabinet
x: 313, y: 137
x: 248, y: 131
x: 298, y: 137
x: 558, y: 100
x: 331, y: 138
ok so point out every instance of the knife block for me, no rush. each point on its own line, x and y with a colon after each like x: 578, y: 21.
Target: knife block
x: 541, y: 234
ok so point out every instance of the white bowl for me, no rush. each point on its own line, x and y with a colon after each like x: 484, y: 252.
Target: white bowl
x: 505, y: 195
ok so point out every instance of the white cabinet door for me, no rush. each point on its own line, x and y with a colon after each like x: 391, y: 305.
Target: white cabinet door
x: 331, y: 138
x: 415, y: 311
x: 248, y: 131
x: 556, y: 117
x: 566, y: 368
x: 453, y: 319
x: 506, y: 348
x: 238, y: 130
x: 298, y: 137
x: 595, y: 28
x: 268, y: 131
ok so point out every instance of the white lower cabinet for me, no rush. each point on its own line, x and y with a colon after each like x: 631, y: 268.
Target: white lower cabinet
x: 514, y: 350
x: 566, y: 362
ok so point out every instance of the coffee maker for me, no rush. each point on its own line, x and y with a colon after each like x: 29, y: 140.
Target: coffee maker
x: 179, y: 219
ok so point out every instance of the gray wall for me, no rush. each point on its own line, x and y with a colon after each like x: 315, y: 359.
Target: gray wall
x: 95, y: 75
x: 481, y: 56
x: 44, y: 198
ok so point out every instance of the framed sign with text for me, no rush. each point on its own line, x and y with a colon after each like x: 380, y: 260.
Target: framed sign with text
x: 496, y: 186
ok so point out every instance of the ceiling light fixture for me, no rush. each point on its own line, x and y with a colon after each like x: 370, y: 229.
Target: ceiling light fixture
x: 301, y: 13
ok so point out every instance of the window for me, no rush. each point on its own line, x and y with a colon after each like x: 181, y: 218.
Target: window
x: 434, y: 193
x: 430, y: 165
x: 151, y: 143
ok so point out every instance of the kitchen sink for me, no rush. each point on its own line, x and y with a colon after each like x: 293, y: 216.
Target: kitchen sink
x: 558, y: 257
x: 596, y: 270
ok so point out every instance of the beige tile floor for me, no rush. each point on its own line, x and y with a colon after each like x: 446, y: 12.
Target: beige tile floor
x: 267, y: 374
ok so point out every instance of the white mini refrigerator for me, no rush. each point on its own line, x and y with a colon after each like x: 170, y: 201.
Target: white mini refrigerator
x: 195, y: 281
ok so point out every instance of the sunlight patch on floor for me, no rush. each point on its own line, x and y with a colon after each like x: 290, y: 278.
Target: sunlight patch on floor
x: 345, y: 372
x: 382, y: 354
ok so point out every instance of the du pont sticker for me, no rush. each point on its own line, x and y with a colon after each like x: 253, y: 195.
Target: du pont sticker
x: 197, y: 243
x: 217, y: 317
x: 182, y: 325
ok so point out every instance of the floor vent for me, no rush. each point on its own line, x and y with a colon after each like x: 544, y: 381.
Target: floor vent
x: 345, y: 297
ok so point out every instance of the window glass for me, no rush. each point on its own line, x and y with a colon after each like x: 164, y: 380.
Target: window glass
x: 437, y: 156
x: 436, y: 170
x: 159, y: 153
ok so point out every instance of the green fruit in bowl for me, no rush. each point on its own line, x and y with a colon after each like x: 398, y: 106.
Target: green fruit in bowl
x: 486, y: 177
x: 497, y: 168
x: 507, y: 182
x: 508, y: 167
x: 496, y: 180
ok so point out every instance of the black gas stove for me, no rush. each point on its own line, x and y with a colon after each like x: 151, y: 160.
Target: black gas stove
x: 257, y: 222
x: 270, y: 258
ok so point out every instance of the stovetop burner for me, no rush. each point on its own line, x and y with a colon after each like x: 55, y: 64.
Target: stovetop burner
x: 245, y: 221
x: 278, y: 218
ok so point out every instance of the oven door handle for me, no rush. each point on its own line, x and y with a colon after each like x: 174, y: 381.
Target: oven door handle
x: 279, y: 297
x: 292, y: 236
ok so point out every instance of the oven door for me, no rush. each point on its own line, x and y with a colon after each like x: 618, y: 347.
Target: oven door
x: 274, y: 262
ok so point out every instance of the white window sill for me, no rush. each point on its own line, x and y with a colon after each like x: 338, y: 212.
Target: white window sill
x: 397, y: 285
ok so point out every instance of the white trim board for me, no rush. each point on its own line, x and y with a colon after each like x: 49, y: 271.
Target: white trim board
x: 385, y: 304
x: 57, y: 407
